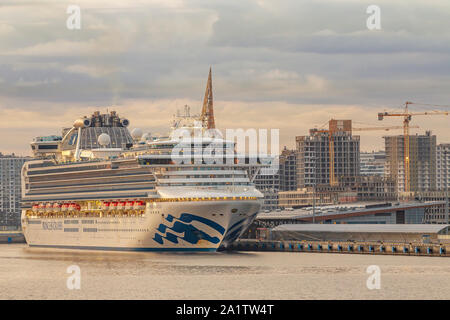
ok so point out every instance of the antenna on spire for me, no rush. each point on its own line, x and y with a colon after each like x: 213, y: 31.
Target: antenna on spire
x: 208, y: 107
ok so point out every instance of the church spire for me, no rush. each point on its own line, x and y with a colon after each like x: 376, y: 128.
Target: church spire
x: 208, y: 107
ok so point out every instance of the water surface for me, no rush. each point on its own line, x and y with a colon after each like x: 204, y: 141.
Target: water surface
x: 31, y: 273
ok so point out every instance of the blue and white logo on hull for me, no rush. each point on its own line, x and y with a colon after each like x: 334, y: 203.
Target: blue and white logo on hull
x: 182, y: 228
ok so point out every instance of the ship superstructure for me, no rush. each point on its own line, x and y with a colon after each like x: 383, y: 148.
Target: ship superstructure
x: 99, y: 187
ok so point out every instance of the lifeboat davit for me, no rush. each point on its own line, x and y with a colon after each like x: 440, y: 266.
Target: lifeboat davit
x: 56, y: 207
x: 139, y: 205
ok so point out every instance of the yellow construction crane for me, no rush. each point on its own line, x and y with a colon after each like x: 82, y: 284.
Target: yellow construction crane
x: 382, y: 128
x: 407, y: 116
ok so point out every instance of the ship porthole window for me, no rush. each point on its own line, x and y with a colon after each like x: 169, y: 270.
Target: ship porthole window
x: 234, y: 210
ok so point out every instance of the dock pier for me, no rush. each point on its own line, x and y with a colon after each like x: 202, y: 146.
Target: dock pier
x: 11, y: 237
x: 345, y: 247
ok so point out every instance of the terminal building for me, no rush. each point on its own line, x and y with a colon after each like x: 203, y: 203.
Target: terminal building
x: 435, y: 214
x: 359, y: 213
x: 406, y: 233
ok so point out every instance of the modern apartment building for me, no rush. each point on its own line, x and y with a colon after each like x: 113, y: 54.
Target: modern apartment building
x: 267, y: 181
x: 372, y: 163
x: 269, y: 185
x: 319, y: 196
x: 370, y: 187
x: 10, y: 190
x: 288, y: 170
x: 442, y: 166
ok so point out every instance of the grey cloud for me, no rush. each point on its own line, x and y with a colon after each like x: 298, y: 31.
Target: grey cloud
x: 314, y: 52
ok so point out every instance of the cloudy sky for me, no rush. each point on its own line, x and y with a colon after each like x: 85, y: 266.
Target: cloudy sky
x: 286, y: 64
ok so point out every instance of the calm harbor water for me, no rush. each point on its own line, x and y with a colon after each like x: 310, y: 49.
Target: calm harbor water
x: 29, y: 273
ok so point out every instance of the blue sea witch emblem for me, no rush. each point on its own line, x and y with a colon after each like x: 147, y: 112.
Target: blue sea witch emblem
x: 183, y: 225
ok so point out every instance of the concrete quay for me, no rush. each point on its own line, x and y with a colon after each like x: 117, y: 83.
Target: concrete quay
x: 344, y: 247
x: 11, y: 237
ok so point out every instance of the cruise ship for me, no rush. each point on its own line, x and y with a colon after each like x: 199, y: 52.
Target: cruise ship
x: 100, y: 187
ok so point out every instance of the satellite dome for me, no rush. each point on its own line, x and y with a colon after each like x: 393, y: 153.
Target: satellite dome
x: 137, y: 133
x: 104, y: 139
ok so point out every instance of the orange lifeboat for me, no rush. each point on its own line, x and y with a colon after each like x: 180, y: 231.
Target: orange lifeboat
x: 121, y: 205
x: 49, y: 207
x: 56, y: 207
x: 74, y: 207
x: 35, y: 208
x: 113, y: 205
x: 106, y: 205
x: 41, y: 207
x: 64, y: 207
x: 129, y: 205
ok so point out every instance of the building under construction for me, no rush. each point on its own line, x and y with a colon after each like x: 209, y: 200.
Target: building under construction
x: 288, y: 170
x: 443, y: 166
x: 422, y: 161
x: 418, y: 153
x: 328, y: 154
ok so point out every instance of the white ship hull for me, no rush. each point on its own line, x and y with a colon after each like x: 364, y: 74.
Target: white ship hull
x: 164, y: 226
x: 239, y: 223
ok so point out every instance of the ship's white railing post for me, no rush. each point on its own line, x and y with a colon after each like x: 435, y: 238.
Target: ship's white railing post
x: 77, y: 150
